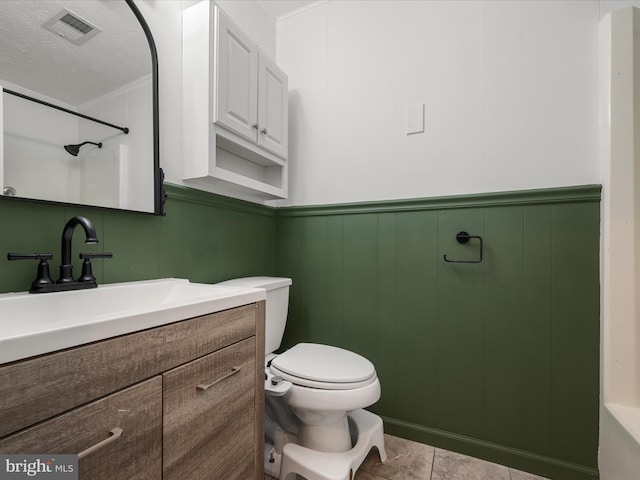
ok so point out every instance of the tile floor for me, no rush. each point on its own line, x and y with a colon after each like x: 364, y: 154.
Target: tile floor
x: 407, y: 460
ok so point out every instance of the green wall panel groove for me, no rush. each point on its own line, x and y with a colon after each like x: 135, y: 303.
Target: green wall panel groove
x: 537, y: 325
x: 503, y: 330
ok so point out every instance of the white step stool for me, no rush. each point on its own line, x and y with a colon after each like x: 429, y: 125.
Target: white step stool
x: 315, y: 465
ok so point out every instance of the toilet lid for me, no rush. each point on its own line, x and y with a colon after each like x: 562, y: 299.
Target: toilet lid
x: 323, y: 366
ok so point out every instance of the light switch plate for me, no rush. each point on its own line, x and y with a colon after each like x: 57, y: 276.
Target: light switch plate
x: 415, y: 119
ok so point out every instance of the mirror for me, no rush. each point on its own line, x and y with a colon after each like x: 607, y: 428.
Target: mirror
x: 79, y: 104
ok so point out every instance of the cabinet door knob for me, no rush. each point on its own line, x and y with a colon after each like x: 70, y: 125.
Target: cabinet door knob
x: 116, y: 433
x: 203, y: 387
x: 263, y: 131
x: 255, y: 125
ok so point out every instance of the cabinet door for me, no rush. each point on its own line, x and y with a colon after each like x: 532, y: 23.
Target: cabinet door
x: 125, y: 430
x: 209, y: 416
x: 272, y: 107
x: 235, y: 79
x: 39, y: 388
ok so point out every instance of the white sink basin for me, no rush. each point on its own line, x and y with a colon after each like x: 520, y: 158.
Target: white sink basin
x: 33, y: 324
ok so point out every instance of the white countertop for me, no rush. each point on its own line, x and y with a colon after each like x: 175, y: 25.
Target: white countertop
x: 33, y: 324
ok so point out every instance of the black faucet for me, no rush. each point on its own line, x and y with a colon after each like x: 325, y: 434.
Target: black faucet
x: 66, y: 268
x: 43, y: 282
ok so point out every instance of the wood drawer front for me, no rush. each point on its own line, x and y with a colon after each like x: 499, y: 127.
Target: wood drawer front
x: 136, y: 455
x: 211, y: 434
x: 39, y: 388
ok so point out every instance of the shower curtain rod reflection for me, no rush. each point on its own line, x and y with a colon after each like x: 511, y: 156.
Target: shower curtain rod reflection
x: 124, y: 130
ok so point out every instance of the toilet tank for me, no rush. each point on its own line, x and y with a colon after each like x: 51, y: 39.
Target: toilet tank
x: 277, y: 305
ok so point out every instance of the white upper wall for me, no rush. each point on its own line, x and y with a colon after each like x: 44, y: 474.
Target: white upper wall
x: 510, y: 90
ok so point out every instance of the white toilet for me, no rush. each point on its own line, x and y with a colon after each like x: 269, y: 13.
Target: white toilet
x: 326, y: 387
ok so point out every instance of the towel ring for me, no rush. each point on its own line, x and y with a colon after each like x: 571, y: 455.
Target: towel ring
x: 464, y: 237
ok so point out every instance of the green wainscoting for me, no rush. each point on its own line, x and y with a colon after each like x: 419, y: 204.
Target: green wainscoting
x: 499, y: 359
x: 203, y: 237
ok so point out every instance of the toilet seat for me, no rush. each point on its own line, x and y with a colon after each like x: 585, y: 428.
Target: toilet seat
x: 324, y: 367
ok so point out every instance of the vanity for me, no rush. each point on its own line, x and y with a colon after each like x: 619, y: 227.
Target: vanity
x: 168, y: 385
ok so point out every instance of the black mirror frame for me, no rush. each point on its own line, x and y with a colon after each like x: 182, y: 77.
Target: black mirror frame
x: 160, y: 195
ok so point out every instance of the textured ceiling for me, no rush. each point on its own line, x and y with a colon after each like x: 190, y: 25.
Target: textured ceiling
x: 37, y: 59
x: 280, y: 8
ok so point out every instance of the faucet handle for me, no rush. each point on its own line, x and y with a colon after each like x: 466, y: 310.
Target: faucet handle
x: 87, y: 273
x: 29, y: 256
x: 89, y: 256
x: 42, y: 277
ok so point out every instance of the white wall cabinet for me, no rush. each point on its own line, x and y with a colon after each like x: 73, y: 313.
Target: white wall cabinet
x: 250, y: 95
x: 235, y: 107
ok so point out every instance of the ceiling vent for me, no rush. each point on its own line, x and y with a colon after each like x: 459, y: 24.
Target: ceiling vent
x: 71, y: 27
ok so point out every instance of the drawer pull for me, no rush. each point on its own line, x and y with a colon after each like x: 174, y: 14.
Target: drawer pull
x: 204, y: 387
x: 116, y: 433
